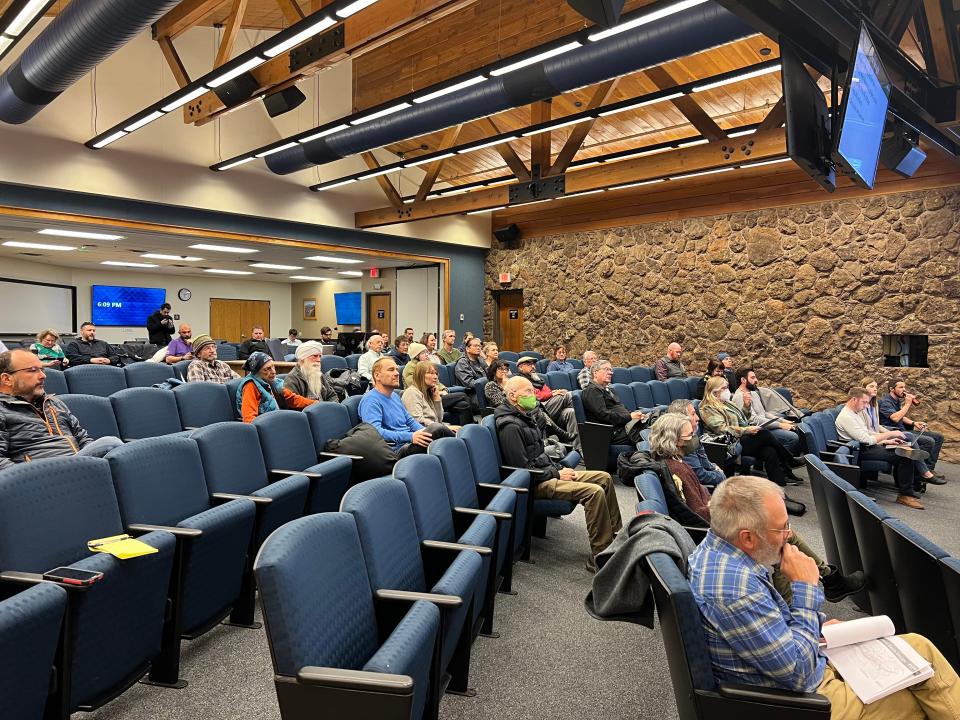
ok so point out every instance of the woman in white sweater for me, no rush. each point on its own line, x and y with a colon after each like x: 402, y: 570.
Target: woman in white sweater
x: 422, y: 396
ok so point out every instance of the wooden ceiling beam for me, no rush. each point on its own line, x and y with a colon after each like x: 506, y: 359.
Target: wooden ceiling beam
x: 601, y: 95
x: 450, y: 138
x: 184, y: 16
x: 291, y: 11
x: 506, y: 151
x: 393, y: 197
x: 761, y: 146
x: 940, y: 39
x: 689, y: 107
x: 540, y: 144
x: 174, y: 61
x: 775, y: 118
x: 231, y: 31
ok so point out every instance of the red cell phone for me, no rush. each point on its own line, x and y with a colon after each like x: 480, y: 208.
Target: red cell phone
x: 73, y: 576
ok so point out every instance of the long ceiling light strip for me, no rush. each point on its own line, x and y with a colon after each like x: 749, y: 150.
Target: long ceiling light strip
x: 18, y: 19
x: 277, y: 44
x: 476, y: 76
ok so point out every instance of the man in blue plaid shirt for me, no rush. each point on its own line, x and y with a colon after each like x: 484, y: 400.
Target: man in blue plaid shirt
x: 755, y: 637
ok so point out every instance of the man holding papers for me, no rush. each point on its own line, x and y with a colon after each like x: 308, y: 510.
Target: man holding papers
x: 755, y: 637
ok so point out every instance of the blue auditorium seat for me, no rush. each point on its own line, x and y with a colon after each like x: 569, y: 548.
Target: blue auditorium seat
x: 868, y: 518
x: 227, y: 351
x: 352, y: 404
x: 331, y: 362
x: 559, y: 381
x: 622, y: 376
x: 640, y: 373
x: 625, y: 394
x: 147, y: 374
x: 353, y: 361
x: 95, y: 414
x: 144, y: 412
x: 203, y: 403
x: 661, y: 395
x: 102, y: 380
x: 508, y: 356
x: 180, y: 369
x: 55, y: 382
x: 642, y: 396
x: 950, y: 568
x: 531, y: 353
x: 678, y: 389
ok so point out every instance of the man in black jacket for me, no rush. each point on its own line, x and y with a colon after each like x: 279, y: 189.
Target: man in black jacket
x: 160, y: 326
x: 521, y: 444
x: 601, y: 405
x: 255, y: 343
x: 87, y: 350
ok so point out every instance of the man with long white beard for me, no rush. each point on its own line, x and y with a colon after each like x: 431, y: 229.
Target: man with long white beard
x: 307, y: 378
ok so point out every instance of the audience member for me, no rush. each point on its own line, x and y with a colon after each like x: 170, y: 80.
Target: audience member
x: 470, y: 367
x: 160, y: 326
x: 714, y: 369
x: 87, y: 350
x: 755, y: 637
x: 724, y: 419
x: 467, y: 336
x: 521, y: 444
x: 893, y: 414
x: 558, y: 404
x: 293, y: 338
x: 851, y: 425
x: 408, y: 334
x: 585, y: 376
x: 747, y: 398
x: 326, y: 335
x: 399, y: 350
x: 448, y: 353
x: 495, y: 390
x: 670, y: 365
x: 255, y: 343
x: 50, y: 353
x: 708, y: 473
x: 456, y: 403
x: 181, y: 347
x: 601, y: 405
x: 34, y: 425
x: 421, y: 396
x: 383, y: 408
x: 205, y: 366
x: 429, y: 341
x: 729, y: 371
x: 560, y: 362
x: 489, y: 352
x: 307, y: 378
x: 374, y: 352
x: 261, y: 392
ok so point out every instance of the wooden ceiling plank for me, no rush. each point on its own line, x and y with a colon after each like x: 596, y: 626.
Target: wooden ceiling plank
x: 173, y: 60
x: 775, y: 118
x: 540, y: 111
x: 691, y: 110
x: 942, y: 48
x: 291, y: 11
x: 601, y: 96
x: 509, y: 155
x: 184, y: 16
x: 234, y: 23
x: 393, y: 197
x: 450, y: 138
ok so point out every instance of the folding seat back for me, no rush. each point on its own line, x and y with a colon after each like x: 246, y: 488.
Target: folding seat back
x: 233, y: 386
x: 479, y: 389
x: 331, y: 362
x: 785, y: 394
x: 577, y: 364
x: 531, y: 353
x: 353, y: 361
x: 203, y: 403
x: 868, y: 518
x: 328, y: 421
x: 423, y: 477
x: 950, y: 567
x: 640, y: 373
x: 642, y: 396
x: 574, y: 377
x: 352, y: 404
x: 147, y: 374
x: 55, y: 382
x: 180, y: 369
x: 622, y: 376
x: 625, y: 393
x: 812, y: 436
x: 542, y: 365
x: 693, y: 388
x: 102, y: 380
x: 577, y: 400
x: 678, y: 389
x: 661, y: 395
x: 559, y: 381
x: 514, y: 370
x: 49, y: 510
x: 508, y: 356
x: 29, y: 631
x: 827, y: 531
x: 227, y: 351
x: 649, y: 490
x: 319, y: 613
x: 145, y: 412
x: 457, y: 470
x: 94, y: 413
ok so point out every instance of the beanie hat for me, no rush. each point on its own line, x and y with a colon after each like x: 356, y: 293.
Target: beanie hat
x: 415, y: 349
x: 256, y: 361
x: 201, y: 341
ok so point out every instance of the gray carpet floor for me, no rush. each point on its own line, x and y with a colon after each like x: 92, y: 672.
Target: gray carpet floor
x: 552, y: 659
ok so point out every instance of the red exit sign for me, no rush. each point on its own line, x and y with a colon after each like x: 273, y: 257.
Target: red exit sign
x: 374, y: 272
x: 505, y: 278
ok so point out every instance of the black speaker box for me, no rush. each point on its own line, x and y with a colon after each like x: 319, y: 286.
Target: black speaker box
x: 283, y: 101
x: 237, y: 91
x: 508, y: 236
x: 604, y: 13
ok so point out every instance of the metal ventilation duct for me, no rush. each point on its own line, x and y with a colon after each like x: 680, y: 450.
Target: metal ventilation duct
x: 660, y: 41
x: 85, y: 34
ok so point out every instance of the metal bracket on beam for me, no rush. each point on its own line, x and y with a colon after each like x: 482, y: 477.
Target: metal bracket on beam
x: 318, y: 47
x: 536, y: 190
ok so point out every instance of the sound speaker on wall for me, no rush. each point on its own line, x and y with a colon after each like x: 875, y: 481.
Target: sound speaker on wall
x: 605, y: 13
x: 283, y: 101
x: 508, y: 236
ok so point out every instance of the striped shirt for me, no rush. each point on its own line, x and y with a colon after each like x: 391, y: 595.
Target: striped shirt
x: 753, y: 636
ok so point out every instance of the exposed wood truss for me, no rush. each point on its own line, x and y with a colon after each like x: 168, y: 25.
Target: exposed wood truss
x: 393, y: 197
x: 687, y: 105
x: 433, y: 169
x: 571, y: 147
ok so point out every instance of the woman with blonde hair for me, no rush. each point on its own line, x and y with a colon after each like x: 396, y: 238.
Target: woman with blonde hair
x: 422, y: 397
x: 49, y: 352
x: 872, y: 413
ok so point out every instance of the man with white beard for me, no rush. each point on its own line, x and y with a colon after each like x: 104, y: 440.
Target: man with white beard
x: 307, y: 378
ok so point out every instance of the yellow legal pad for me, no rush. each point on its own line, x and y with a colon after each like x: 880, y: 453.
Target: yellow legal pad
x: 122, y: 547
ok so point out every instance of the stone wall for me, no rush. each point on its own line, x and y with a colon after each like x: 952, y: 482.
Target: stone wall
x: 802, y: 293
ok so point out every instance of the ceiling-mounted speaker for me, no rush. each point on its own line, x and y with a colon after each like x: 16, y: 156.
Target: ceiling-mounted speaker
x: 901, y: 152
x: 237, y: 91
x: 283, y: 101
x: 605, y: 13
x: 508, y: 236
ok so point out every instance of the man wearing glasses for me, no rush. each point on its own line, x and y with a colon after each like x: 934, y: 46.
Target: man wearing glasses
x: 34, y: 425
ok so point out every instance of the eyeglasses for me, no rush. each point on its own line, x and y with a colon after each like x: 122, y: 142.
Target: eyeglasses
x: 784, y: 530
x: 31, y: 370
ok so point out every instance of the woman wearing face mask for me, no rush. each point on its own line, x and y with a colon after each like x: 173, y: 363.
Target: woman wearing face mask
x: 720, y: 417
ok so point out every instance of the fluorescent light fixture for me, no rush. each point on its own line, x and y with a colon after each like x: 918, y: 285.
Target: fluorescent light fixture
x: 272, y: 266
x: 82, y: 234
x: 184, y: 99
x: 144, y: 121
x: 217, y: 271
x: 5, y: 42
x: 110, y: 138
x: 236, y: 72
x: 354, y: 7
x: 578, y: 166
x: 351, y: 273
x: 336, y: 260
x: 317, y: 27
x: 234, y: 164
x: 337, y: 184
x: 450, y: 89
x: 37, y: 246
x: 641, y: 104
x: 556, y: 125
x: 586, y: 192
x: 222, y: 248
x: 429, y: 160
x: 494, y: 183
x: 376, y: 173
x: 489, y: 143
x: 737, y: 78
x: 323, y: 133
x: 741, y: 133
x: 691, y: 143
x: 638, y: 184
x: 641, y: 153
x: 454, y: 190
x: 308, y: 277
x: 765, y: 162
x: 162, y: 256
x: 486, y: 210
x: 701, y: 172
x: 536, y: 58
x: 277, y: 149
x: 25, y: 16
x: 380, y: 113
x: 124, y: 263
x: 644, y: 19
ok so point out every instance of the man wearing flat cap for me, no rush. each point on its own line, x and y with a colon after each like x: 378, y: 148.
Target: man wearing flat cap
x: 307, y: 378
x: 205, y: 366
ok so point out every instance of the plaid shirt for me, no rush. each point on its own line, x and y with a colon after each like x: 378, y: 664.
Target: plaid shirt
x: 584, y: 377
x: 216, y: 371
x: 753, y: 636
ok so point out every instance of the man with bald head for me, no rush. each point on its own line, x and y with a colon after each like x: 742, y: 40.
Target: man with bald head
x: 181, y: 347
x: 670, y: 365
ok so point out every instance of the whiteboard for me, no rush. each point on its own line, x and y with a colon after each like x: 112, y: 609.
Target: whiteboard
x: 30, y: 307
x: 418, y: 300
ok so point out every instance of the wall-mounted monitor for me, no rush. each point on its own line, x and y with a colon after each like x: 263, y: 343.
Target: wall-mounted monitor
x: 347, y: 306
x: 115, y: 305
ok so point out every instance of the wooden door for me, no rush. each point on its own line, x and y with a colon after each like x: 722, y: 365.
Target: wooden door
x: 231, y: 320
x: 508, y: 331
x: 378, y: 313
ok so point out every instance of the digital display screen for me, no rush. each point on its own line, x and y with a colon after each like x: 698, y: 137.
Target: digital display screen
x: 864, y: 114
x: 125, y: 306
x: 348, y: 308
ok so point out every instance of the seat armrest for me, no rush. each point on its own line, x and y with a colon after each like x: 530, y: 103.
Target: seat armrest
x: 355, y: 679
x: 850, y: 473
x: 834, y: 444
x: 191, y: 427
x: 332, y: 455
x: 507, y: 469
x: 496, y: 514
x: 226, y: 497
x: 178, y: 531
x: 772, y: 696
x: 457, y: 547
x: 311, y: 475
x: 28, y: 578
x: 451, y: 601
x: 496, y: 486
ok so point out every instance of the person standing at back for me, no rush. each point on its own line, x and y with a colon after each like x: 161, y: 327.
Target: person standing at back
x: 160, y: 326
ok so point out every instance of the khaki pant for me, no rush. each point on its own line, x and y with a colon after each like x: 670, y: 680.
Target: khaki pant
x: 937, y: 698
x: 780, y: 581
x: 594, y: 490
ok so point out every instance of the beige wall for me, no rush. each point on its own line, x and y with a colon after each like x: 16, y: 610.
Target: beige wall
x: 323, y: 293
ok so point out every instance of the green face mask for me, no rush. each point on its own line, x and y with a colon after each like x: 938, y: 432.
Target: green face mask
x: 527, y: 402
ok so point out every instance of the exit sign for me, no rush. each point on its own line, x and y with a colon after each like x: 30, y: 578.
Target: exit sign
x: 505, y: 278
x: 374, y: 272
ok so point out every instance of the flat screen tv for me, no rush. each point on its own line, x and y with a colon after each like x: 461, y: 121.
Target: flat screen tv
x: 863, y: 114
x: 807, y: 118
x: 347, y: 306
x: 124, y: 306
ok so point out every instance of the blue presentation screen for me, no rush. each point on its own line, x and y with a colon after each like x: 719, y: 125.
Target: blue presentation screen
x: 348, y: 308
x: 127, y: 306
